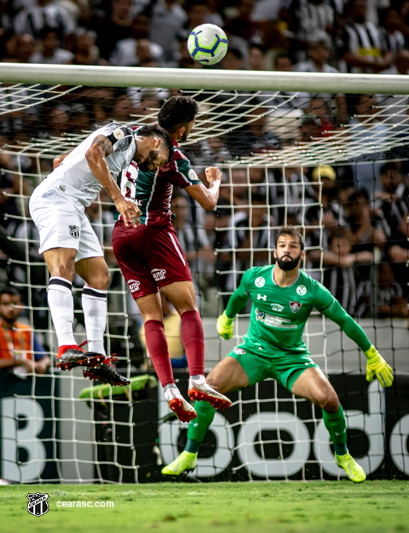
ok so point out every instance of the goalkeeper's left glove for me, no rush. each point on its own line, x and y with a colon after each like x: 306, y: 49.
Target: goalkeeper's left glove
x: 377, y: 365
x: 224, y: 326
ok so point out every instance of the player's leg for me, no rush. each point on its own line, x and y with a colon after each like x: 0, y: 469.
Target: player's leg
x: 313, y: 385
x: 226, y: 376
x: 182, y: 296
x: 59, y: 224
x: 94, y: 271
x: 156, y: 343
x: 130, y: 247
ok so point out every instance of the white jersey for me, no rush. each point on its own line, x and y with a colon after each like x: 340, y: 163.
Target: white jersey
x: 73, y: 177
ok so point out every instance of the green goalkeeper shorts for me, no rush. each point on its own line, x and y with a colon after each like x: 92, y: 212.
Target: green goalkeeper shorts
x: 283, y: 367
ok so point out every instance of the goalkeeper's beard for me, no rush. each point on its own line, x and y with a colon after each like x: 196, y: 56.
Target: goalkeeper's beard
x: 288, y: 265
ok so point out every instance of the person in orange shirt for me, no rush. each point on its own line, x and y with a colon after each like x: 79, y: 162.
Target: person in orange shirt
x: 19, y: 345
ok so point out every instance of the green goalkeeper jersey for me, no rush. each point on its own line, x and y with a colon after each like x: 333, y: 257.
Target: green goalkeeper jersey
x: 279, y: 314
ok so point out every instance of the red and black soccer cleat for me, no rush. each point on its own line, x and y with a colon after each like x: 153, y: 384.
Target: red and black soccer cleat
x: 71, y: 355
x: 105, y: 372
x: 205, y: 393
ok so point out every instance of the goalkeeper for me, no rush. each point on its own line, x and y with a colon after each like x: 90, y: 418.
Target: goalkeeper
x: 283, y: 297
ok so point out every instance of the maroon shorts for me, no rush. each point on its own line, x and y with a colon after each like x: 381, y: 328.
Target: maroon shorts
x: 149, y: 257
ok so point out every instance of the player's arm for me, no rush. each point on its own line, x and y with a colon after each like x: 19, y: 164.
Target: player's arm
x: 59, y: 159
x: 96, y: 155
x: 237, y: 301
x: 376, y: 364
x: 207, y: 196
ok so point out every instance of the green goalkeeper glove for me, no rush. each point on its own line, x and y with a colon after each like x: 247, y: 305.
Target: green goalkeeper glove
x: 377, y: 365
x: 225, y: 326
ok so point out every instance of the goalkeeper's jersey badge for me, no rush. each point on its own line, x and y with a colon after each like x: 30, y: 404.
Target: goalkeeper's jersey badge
x: 295, y: 306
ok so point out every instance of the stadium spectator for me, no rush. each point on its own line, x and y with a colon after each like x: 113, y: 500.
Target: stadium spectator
x: 50, y: 51
x: 361, y: 47
x: 366, y: 128
x: 135, y: 50
x: 393, y: 37
x: 166, y: 21
x: 304, y: 18
x: 193, y: 241
x: 256, y: 58
x: 48, y: 14
x: 85, y: 49
x: 113, y: 26
x: 319, y: 51
x: 20, y: 48
x: 398, y: 253
x: 390, y: 299
x: 20, y: 348
x: 340, y: 277
x: 243, y: 25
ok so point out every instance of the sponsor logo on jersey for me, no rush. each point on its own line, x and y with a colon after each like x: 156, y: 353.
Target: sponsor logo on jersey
x: 295, y: 306
x: 192, y: 175
x: 158, y: 274
x: 301, y: 290
x: 274, y: 321
x: 134, y: 285
x: 260, y: 282
x: 37, y: 504
x: 119, y: 134
x: 239, y: 351
x: 277, y: 307
x: 74, y: 231
x: 261, y: 297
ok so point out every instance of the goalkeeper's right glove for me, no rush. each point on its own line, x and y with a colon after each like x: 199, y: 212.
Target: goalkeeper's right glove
x: 225, y: 326
x: 377, y: 365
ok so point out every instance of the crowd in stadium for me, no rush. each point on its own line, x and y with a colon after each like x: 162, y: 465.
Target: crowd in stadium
x: 364, y: 213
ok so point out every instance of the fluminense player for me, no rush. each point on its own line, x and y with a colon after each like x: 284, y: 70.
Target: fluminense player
x: 69, y: 244
x: 283, y: 297
x: 150, y: 257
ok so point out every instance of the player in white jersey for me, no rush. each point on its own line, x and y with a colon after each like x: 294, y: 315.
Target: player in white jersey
x: 69, y: 244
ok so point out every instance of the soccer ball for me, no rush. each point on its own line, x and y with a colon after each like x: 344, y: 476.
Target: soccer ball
x: 207, y: 44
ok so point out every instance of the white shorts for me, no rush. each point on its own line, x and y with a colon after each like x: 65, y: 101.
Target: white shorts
x: 63, y: 224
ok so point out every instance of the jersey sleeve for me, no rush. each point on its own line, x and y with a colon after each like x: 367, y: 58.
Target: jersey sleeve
x: 179, y: 171
x: 121, y: 137
x: 240, y: 296
x: 332, y: 309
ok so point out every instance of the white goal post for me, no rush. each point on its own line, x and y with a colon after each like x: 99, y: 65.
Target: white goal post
x: 269, y: 140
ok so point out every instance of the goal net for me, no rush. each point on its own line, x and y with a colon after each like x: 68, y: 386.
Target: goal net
x: 326, y: 153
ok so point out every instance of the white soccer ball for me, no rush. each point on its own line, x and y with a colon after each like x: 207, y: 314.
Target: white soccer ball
x: 207, y: 44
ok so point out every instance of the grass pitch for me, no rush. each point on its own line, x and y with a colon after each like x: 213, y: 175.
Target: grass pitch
x: 294, y: 507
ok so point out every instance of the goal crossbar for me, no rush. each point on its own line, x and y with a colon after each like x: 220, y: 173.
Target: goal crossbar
x: 203, y: 79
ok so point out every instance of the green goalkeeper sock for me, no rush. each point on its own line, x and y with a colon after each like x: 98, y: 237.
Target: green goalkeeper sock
x: 337, y: 429
x: 199, y: 426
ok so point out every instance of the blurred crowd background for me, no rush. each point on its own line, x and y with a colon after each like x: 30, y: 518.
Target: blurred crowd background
x: 354, y: 216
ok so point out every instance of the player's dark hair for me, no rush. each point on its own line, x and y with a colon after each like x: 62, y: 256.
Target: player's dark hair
x: 290, y: 230
x: 176, y: 112
x: 153, y: 129
x: 11, y: 291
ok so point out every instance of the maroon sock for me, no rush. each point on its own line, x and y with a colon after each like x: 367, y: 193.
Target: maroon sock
x: 193, y: 341
x: 158, y: 350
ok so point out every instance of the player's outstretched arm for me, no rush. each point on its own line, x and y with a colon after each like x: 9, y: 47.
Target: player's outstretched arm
x: 237, y: 301
x: 207, y: 197
x: 96, y: 155
x: 376, y: 365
